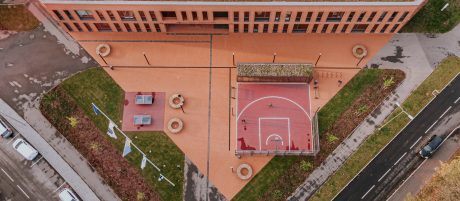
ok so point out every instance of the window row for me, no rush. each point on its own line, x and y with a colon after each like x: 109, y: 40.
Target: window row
x: 263, y: 16
x: 105, y: 27
x: 314, y: 28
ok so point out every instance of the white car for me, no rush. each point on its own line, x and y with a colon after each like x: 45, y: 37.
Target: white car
x: 25, y: 149
x: 67, y: 195
x: 5, y: 131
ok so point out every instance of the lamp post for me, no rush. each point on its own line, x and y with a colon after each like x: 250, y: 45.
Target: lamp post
x: 103, y: 59
x: 408, y: 115
x: 274, y: 57
x: 147, y: 60
x: 233, y: 55
x: 317, y: 60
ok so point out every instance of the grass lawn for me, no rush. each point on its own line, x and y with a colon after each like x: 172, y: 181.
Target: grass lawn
x: 430, y: 19
x: 413, y: 104
x: 95, y: 85
x: 16, y: 18
x: 282, y: 175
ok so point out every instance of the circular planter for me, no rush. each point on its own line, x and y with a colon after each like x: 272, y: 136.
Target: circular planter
x: 244, y: 171
x: 175, y: 125
x: 176, y: 101
x: 359, y: 51
x: 103, y: 50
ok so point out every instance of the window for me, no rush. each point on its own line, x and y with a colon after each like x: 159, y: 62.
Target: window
x: 394, y: 28
x: 308, y: 19
x: 168, y: 15
x: 100, y: 15
x: 112, y: 17
x: 350, y: 16
x: 392, y: 17
x: 157, y: 27
x: 384, y: 28
x: 298, y: 16
x: 300, y: 28
x: 220, y: 15
x: 277, y: 16
x: 138, y: 28
x: 68, y: 15
x: 126, y: 15
x: 236, y: 16
x: 58, y: 15
x: 194, y: 15
x: 335, y: 16
x: 285, y: 28
x: 382, y: 16
x: 371, y: 17
x: 315, y: 28
x: 344, y: 28
x: 246, y: 28
x: 88, y: 27
x: 246, y: 16
x: 324, y: 28
x: 288, y: 16
x: 221, y: 26
x: 256, y: 28
x: 359, y: 28
x: 320, y: 15
x: 147, y: 27
x: 265, y: 28
x: 128, y: 28
x: 184, y: 15
x: 275, y: 28
x: 143, y: 17
x: 117, y: 26
x: 103, y: 27
x: 334, y: 28
x: 262, y: 16
x: 235, y: 28
x: 153, y: 16
x: 361, y: 16
x: 205, y: 15
x: 68, y: 26
x: 374, y: 28
x: 78, y: 27
x: 403, y: 16
x: 85, y: 14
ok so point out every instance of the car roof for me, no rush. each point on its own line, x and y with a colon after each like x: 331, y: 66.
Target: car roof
x: 435, y: 142
x: 24, y: 148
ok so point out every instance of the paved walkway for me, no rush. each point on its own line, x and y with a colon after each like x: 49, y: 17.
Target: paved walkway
x: 407, y: 52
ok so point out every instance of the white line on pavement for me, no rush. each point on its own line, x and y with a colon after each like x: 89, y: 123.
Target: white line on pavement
x: 415, y: 142
x: 23, y: 192
x: 431, y: 126
x: 368, y: 192
x: 384, y: 175
x: 36, y: 161
x: 13, y: 138
x: 7, y: 175
x: 394, y: 192
x: 400, y: 158
x: 445, y: 112
x: 457, y: 100
x: 59, y: 187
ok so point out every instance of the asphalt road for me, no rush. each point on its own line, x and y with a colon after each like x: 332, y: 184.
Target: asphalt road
x: 400, y: 157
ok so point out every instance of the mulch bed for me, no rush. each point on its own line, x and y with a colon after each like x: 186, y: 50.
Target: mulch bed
x: 116, y: 171
x: 347, y: 121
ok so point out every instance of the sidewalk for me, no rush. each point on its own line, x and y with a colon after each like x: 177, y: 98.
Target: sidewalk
x: 407, y: 52
x: 50, y: 154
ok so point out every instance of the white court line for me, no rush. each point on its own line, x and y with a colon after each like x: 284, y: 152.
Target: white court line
x: 415, y: 142
x: 274, y: 97
x: 274, y: 134
x: 368, y: 192
x: 431, y: 126
x: 274, y: 118
x: 59, y: 187
x: 400, y: 158
x: 23, y: 192
x: 457, y: 100
x: 13, y: 138
x: 36, y: 161
x: 7, y: 175
x: 384, y: 175
x: 445, y: 112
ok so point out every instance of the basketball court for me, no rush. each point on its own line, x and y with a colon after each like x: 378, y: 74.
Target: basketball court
x: 274, y: 118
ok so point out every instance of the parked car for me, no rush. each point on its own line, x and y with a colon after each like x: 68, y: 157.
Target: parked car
x: 67, y: 195
x: 5, y: 131
x: 431, y: 147
x: 25, y: 149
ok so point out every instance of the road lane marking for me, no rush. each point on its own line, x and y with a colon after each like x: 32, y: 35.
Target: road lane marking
x: 400, y: 158
x: 457, y: 100
x: 36, y: 161
x: 445, y: 112
x: 407, y: 179
x: 23, y: 192
x: 384, y: 175
x: 8, y: 175
x: 415, y: 142
x: 59, y: 187
x: 431, y: 126
x: 368, y: 192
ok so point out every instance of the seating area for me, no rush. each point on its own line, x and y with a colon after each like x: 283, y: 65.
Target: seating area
x: 143, y: 111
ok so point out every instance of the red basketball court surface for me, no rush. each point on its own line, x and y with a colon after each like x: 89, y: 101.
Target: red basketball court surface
x: 274, y: 118
x: 155, y: 110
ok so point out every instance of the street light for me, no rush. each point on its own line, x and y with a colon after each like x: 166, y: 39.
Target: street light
x: 408, y: 115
